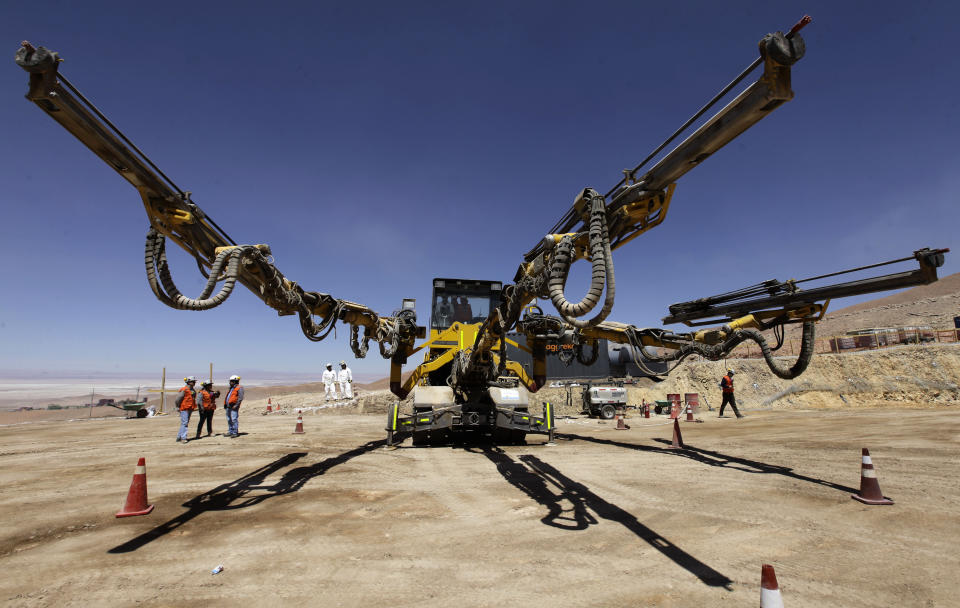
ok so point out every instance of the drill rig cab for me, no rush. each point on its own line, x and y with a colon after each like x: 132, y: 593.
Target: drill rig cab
x: 462, y: 301
x: 445, y: 411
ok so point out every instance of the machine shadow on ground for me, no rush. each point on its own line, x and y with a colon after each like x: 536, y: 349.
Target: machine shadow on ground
x: 247, y: 491
x: 538, y: 479
x: 715, y: 459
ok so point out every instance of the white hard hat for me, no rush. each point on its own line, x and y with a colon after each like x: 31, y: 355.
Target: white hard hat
x: 235, y: 377
x: 190, y: 379
x: 329, y: 364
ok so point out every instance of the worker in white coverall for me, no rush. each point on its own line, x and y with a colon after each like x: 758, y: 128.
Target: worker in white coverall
x: 330, y: 382
x: 345, y: 378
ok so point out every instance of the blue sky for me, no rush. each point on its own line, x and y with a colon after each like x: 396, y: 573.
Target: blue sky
x: 377, y: 145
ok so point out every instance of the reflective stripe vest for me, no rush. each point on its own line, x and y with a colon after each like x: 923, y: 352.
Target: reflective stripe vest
x: 727, y: 385
x: 189, y: 399
x: 208, y: 401
x: 232, y: 395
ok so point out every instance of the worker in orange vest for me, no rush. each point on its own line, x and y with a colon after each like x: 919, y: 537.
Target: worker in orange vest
x: 231, y: 404
x: 726, y: 386
x: 207, y: 400
x: 186, y: 402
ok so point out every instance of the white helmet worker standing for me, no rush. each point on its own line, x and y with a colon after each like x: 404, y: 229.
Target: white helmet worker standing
x: 345, y: 378
x: 329, y: 382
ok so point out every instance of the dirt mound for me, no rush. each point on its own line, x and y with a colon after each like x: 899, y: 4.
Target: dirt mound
x: 364, y: 402
x: 906, y: 376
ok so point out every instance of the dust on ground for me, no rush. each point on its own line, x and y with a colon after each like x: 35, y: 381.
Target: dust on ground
x: 604, y: 518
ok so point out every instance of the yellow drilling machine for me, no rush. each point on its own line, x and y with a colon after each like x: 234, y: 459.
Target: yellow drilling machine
x: 465, y: 387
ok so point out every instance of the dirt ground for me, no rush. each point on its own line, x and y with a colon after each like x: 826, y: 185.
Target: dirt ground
x: 604, y: 518
x: 36, y: 416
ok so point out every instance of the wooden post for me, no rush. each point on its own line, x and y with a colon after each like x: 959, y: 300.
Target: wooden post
x: 211, y: 371
x: 163, y: 388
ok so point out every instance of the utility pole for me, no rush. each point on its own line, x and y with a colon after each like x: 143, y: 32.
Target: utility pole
x: 92, y: 390
x: 162, y: 391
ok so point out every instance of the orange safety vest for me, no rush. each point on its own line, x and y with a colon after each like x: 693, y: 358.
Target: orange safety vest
x: 728, y: 385
x: 189, y: 400
x: 208, y: 401
x: 232, y: 395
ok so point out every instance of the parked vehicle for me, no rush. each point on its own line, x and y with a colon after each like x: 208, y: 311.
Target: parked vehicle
x: 603, y: 401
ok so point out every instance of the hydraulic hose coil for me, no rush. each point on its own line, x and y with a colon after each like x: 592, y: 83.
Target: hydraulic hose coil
x: 162, y: 285
x: 602, y: 270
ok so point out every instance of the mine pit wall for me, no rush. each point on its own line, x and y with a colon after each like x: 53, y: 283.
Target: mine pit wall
x: 921, y: 376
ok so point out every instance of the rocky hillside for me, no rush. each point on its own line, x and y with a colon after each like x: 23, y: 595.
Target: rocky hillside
x: 905, y: 376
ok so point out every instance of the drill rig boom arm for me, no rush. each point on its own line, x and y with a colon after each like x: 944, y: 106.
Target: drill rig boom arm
x: 172, y: 214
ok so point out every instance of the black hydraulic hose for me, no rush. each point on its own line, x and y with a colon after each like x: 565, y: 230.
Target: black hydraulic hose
x: 152, y: 250
x: 226, y: 268
x: 807, y: 344
x: 602, y: 262
x: 594, y: 354
x: 739, y: 336
x: 359, y: 345
x: 155, y: 258
x: 313, y: 331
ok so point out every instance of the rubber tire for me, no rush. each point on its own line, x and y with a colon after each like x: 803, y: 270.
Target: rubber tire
x: 141, y: 413
x: 421, y: 438
x: 441, y: 437
x: 607, y: 412
x: 502, y: 436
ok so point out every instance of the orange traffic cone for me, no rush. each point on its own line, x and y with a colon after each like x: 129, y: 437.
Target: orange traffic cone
x: 675, y: 410
x: 269, y: 405
x: 299, y: 430
x: 646, y: 410
x: 137, y: 496
x: 769, y: 589
x: 870, y: 493
x: 677, y: 437
x: 689, y: 413
x: 621, y: 424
